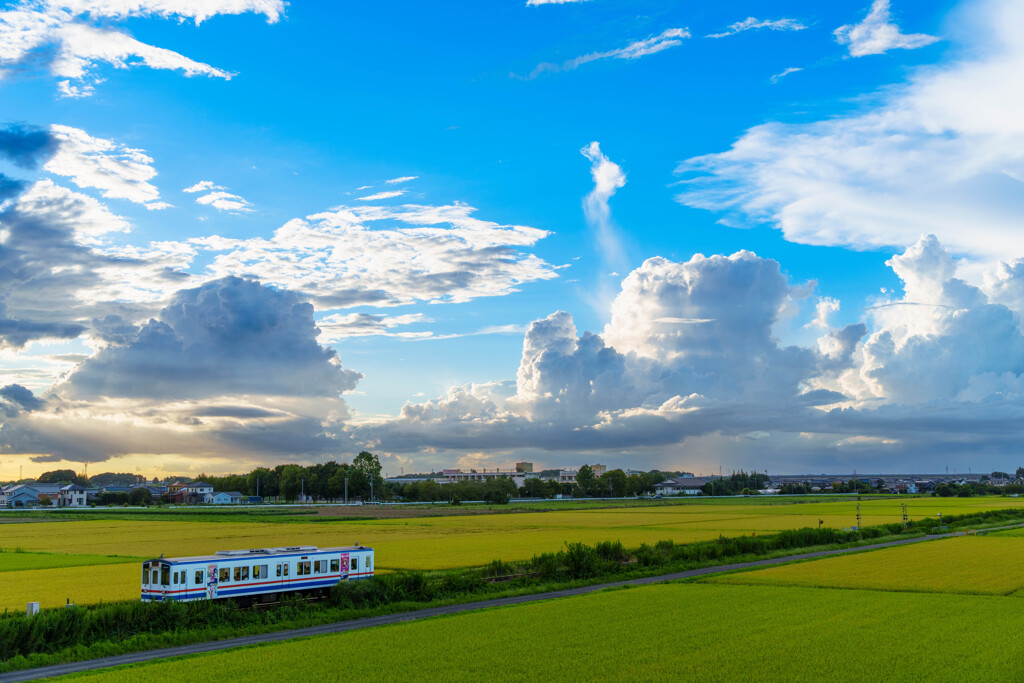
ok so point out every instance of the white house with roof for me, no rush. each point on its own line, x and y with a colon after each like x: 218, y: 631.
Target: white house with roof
x: 199, y: 488
x: 223, y: 498
x: 71, y: 496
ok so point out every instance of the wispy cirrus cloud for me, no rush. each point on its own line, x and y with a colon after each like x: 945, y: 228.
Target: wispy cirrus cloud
x: 403, y: 179
x: 382, y: 195
x: 668, y: 38
x: 535, y: 3
x: 71, y: 39
x: 785, y: 72
x: 754, y: 24
x: 877, y: 33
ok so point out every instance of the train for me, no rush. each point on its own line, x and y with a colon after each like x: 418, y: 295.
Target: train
x: 256, y: 575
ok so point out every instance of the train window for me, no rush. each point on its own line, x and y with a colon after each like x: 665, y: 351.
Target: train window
x: 260, y: 571
x: 369, y: 562
x: 355, y: 563
x: 174, y: 578
x: 245, y: 573
x: 335, y: 565
x: 241, y: 573
x: 279, y: 570
x: 286, y: 569
x: 155, y: 575
x: 165, y: 575
x: 303, y: 569
x: 321, y: 566
x: 225, y: 575
x: 199, y: 577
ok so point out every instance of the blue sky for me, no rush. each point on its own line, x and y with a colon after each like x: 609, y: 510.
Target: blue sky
x: 202, y: 186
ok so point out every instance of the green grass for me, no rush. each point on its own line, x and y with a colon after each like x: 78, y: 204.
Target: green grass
x: 656, y: 633
x: 12, y: 560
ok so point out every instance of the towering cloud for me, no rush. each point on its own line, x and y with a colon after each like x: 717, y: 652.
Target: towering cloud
x: 227, y: 337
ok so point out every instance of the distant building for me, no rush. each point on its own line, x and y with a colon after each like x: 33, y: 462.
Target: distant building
x: 454, y: 476
x: 524, y: 467
x: 685, y: 486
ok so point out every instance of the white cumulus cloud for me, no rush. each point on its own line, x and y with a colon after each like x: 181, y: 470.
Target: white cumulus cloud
x: 916, y: 162
x: 119, y: 172
x: 385, y: 256
x: 877, y: 34
x: 71, y: 39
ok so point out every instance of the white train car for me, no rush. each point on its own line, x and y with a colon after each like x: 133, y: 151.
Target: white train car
x: 250, y: 575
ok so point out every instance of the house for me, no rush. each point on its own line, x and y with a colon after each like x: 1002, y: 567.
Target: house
x: 72, y: 496
x: 200, y: 488
x: 223, y: 498
x: 29, y: 495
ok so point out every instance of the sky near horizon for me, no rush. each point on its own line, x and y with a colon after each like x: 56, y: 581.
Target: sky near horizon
x: 766, y: 235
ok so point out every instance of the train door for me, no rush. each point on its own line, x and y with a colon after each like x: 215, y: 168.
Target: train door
x: 282, y: 572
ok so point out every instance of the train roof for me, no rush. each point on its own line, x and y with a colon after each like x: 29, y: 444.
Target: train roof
x: 257, y: 553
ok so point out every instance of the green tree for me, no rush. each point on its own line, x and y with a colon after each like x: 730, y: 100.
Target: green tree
x: 139, y: 496
x: 267, y: 486
x: 585, y: 480
x: 291, y: 482
x: 62, y: 477
x: 368, y: 465
x: 617, y: 483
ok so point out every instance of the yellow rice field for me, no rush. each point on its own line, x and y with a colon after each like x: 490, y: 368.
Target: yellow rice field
x: 979, y: 565
x: 424, y: 542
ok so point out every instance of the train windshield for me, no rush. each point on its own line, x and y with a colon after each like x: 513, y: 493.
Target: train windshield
x: 165, y: 575
x: 145, y: 572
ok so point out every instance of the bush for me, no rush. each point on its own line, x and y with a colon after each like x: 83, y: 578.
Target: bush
x: 580, y: 560
x: 496, y: 497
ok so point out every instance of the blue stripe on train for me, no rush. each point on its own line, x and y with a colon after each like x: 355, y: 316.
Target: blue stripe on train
x: 228, y: 593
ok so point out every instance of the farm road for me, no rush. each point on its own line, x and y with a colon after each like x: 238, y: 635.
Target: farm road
x: 338, y: 627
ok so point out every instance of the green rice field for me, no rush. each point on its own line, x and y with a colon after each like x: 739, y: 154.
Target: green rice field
x: 665, y: 632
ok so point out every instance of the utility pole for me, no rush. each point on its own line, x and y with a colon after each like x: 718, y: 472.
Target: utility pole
x: 302, y: 494
x: 371, y: 488
x: 346, y: 490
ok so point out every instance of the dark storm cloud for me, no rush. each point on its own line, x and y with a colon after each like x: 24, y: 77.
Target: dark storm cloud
x: 15, y: 398
x: 47, y: 269
x: 227, y: 337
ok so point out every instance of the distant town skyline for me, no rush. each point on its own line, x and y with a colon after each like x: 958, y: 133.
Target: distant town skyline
x: 752, y: 235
